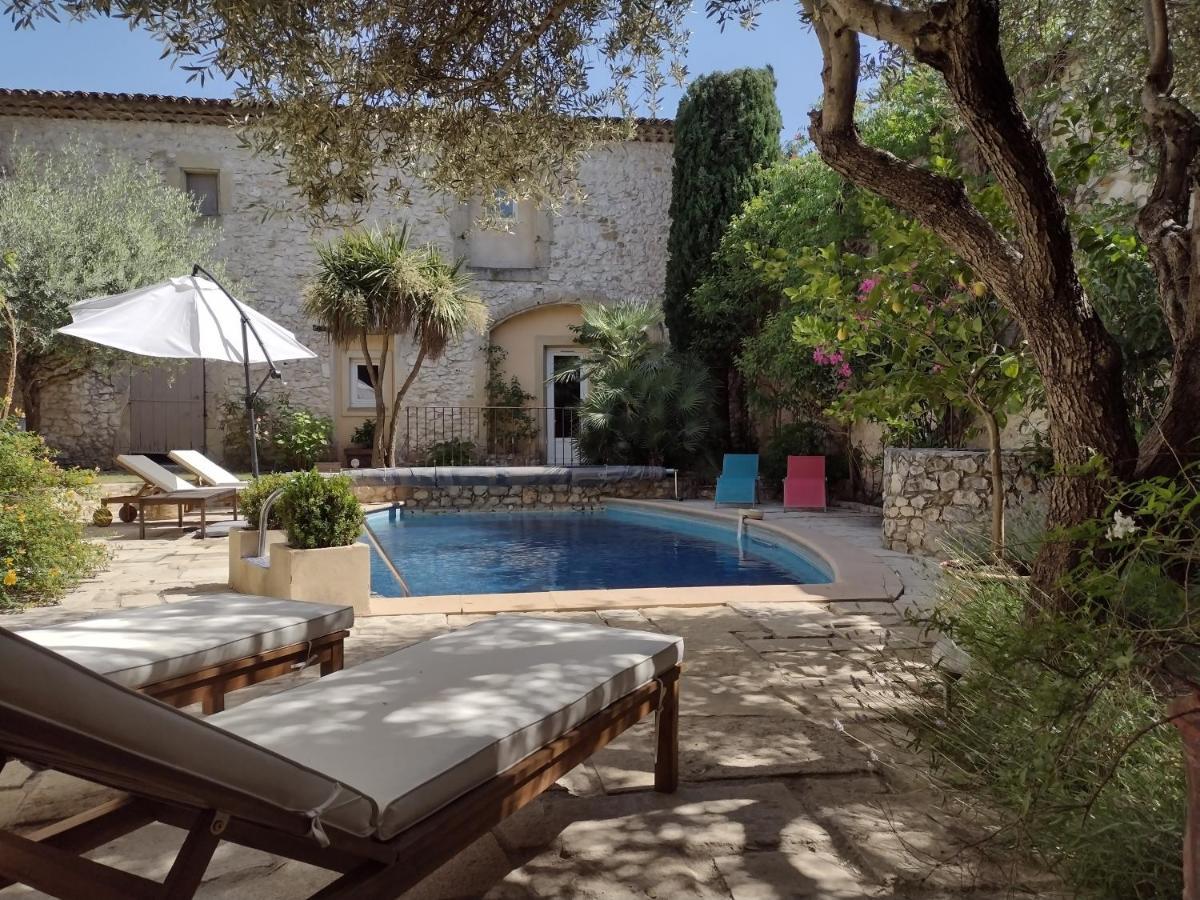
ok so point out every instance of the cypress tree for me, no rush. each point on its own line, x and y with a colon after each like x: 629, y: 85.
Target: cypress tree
x: 726, y: 132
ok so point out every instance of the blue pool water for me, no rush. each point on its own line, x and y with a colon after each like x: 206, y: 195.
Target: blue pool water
x: 503, y: 553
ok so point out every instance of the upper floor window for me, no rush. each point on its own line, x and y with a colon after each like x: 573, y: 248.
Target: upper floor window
x: 204, y: 189
x: 506, y: 206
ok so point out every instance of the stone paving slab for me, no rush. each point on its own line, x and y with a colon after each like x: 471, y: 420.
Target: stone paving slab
x: 788, y: 789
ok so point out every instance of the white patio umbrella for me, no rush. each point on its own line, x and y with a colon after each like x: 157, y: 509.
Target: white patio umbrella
x: 193, y: 317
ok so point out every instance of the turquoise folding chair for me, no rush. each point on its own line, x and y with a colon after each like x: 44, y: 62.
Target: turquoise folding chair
x: 738, y: 482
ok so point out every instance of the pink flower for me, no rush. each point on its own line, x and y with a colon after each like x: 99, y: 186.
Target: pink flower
x: 844, y: 370
x: 937, y: 367
x: 835, y: 358
x: 819, y: 356
x: 866, y: 286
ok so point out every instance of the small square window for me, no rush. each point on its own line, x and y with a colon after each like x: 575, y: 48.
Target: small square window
x: 204, y: 189
x: 506, y: 206
x: 362, y: 395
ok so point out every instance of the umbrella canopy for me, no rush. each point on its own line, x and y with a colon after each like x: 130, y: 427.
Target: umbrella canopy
x: 182, y: 318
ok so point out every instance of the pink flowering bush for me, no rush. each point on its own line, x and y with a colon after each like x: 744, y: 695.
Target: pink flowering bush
x: 908, y: 329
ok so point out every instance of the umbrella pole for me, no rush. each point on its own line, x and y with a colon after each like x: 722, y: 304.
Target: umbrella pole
x: 250, y: 417
x: 272, y: 372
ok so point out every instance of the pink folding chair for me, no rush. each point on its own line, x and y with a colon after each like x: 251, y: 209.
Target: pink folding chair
x: 804, y: 487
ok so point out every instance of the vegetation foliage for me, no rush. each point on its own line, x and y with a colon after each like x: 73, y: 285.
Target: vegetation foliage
x: 255, y: 494
x: 646, y: 403
x: 320, y: 511
x: 290, y: 437
x: 1062, y: 715
x: 43, y: 552
x: 358, y: 98
x: 78, y: 223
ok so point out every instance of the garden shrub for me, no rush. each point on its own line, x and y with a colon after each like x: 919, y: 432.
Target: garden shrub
x: 299, y: 437
x: 452, y: 452
x: 319, y: 511
x: 364, y: 434
x: 1061, y: 720
x: 43, y: 552
x: 290, y: 438
x: 799, y: 439
x: 255, y: 495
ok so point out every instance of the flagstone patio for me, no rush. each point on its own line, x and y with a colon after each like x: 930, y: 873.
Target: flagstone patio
x: 790, y: 789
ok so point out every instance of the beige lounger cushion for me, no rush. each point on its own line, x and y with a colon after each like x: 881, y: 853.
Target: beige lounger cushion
x: 138, y: 647
x: 418, y: 728
x: 51, y: 688
x: 205, y: 469
x: 152, y: 473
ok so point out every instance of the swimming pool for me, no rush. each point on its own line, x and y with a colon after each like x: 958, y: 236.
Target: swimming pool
x: 504, y: 553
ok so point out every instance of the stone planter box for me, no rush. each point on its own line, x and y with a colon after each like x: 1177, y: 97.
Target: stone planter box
x: 339, y: 575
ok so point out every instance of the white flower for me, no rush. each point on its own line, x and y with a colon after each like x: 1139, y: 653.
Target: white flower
x: 1122, y: 527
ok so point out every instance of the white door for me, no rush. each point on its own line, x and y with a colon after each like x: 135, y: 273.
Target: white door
x: 562, y: 407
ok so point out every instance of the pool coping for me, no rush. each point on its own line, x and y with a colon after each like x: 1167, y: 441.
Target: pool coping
x: 857, y: 576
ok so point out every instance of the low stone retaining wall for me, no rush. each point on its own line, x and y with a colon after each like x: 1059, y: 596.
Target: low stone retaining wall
x: 932, y: 498
x: 510, y: 488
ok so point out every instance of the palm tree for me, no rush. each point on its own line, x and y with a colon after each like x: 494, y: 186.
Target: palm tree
x: 374, y: 283
x: 647, y: 404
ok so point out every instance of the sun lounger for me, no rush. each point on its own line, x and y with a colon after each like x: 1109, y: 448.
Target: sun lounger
x: 164, y: 488
x: 207, y: 471
x: 381, y: 772
x: 804, y: 487
x: 198, y: 650
x: 738, y: 482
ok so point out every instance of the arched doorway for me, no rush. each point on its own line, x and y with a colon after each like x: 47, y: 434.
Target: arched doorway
x: 537, y: 345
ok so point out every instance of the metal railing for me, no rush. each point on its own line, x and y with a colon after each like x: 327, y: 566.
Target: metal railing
x: 489, y: 436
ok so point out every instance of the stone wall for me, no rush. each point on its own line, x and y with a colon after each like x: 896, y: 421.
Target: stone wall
x: 504, y: 497
x: 607, y: 248
x: 935, y: 498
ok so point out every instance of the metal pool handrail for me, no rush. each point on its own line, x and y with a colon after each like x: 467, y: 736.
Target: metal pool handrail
x: 264, y: 515
x: 373, y: 540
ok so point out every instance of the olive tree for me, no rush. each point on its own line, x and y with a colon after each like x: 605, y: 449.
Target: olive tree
x: 75, y: 224
x: 1029, y: 262
x: 363, y: 96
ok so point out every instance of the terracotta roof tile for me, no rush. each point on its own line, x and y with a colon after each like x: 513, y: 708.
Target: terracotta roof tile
x: 197, y: 110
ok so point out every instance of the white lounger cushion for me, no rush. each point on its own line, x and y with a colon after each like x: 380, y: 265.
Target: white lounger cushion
x: 420, y: 727
x: 138, y: 647
x: 152, y: 473
x: 39, y: 683
x: 205, y: 469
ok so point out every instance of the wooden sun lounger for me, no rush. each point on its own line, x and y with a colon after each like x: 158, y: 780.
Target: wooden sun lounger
x: 193, y: 497
x: 197, y: 651
x: 246, y: 777
x: 163, y: 487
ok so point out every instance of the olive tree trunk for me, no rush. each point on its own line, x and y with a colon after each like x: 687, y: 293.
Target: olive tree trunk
x: 14, y: 341
x: 1033, y: 272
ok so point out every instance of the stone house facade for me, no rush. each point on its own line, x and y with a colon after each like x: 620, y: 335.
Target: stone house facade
x: 532, y: 276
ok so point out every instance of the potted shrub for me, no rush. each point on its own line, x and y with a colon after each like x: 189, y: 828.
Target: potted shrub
x: 321, y: 559
x: 243, y: 542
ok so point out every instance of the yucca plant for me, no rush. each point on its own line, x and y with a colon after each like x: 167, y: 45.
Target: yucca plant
x: 647, y: 405
x: 373, y: 282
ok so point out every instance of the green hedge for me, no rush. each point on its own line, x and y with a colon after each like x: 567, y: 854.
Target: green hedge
x: 319, y: 511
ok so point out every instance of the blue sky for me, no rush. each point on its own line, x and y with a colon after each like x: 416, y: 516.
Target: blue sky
x: 104, y: 55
